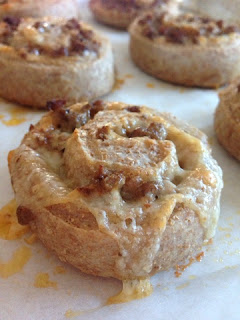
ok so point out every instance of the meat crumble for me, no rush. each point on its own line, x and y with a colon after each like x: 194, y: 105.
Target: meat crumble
x: 183, y: 28
x: 51, y: 36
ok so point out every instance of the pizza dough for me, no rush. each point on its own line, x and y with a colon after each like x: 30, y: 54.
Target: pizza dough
x: 116, y: 190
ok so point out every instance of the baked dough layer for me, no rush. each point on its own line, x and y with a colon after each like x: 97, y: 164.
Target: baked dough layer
x: 120, y: 13
x: 227, y: 119
x: 117, y: 190
x: 39, y: 8
x: 186, y: 49
x: 53, y: 58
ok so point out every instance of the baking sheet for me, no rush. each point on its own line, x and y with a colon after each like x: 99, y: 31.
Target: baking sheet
x: 206, y: 290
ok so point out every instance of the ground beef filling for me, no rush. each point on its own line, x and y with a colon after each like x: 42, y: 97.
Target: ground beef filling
x: 131, y: 188
x: 67, y: 120
x: 126, y: 5
x: 49, y: 38
x: 184, y: 28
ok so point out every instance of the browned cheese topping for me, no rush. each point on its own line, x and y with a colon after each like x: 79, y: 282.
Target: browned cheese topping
x: 53, y: 37
x: 184, y: 28
x: 65, y: 120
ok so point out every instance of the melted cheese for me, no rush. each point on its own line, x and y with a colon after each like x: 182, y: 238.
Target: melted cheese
x: 59, y: 270
x: 20, y: 257
x: 132, y: 290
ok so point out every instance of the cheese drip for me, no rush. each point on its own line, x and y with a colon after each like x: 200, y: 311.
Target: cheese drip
x: 132, y: 290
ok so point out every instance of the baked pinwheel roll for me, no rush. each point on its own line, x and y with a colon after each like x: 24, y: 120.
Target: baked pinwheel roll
x: 39, y: 8
x: 186, y: 49
x: 227, y: 119
x: 120, y: 13
x: 116, y: 190
x: 53, y: 58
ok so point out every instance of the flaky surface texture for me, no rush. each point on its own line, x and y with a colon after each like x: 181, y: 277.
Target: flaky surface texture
x: 117, y: 190
x: 186, y: 49
x: 120, y: 13
x: 53, y: 58
x: 39, y: 8
x: 227, y: 119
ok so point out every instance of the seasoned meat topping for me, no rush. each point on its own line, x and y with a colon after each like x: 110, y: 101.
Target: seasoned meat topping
x: 102, y: 133
x: 154, y: 131
x: 13, y: 22
x: 24, y: 215
x: 183, y: 28
x: 134, y: 109
x: 52, y: 36
x: 105, y: 181
x: 55, y: 104
x: 131, y: 188
x: 128, y: 5
x: 135, y: 188
x: 67, y: 120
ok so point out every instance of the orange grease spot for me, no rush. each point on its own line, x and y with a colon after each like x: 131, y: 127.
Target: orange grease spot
x: 10, y: 229
x: 150, y: 85
x: 42, y: 281
x: 16, y: 116
x: 31, y: 239
x: 184, y: 285
x: 20, y: 257
x: 118, y: 84
x: 129, y: 76
x: 59, y: 270
x: 72, y: 314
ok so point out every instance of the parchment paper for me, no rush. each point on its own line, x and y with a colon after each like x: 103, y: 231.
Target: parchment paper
x: 206, y: 290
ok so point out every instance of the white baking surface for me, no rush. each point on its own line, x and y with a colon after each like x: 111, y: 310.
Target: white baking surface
x: 206, y: 290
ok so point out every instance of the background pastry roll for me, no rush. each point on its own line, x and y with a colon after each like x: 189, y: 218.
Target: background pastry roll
x: 186, y: 49
x: 47, y: 58
x: 39, y: 8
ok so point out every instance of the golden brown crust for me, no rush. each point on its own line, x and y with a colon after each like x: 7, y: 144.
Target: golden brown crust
x: 39, y: 8
x: 184, y: 51
x: 38, y: 63
x: 113, y: 190
x: 227, y: 119
x: 120, y: 14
